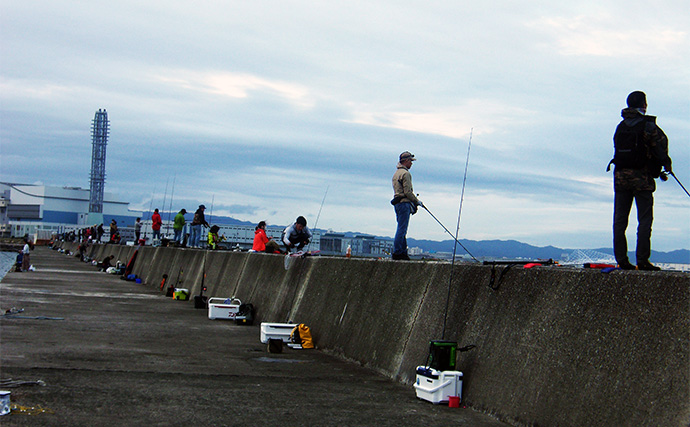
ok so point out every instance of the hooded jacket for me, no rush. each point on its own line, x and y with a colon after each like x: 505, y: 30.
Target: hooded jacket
x: 156, y: 221
x: 260, y: 240
x: 179, y: 221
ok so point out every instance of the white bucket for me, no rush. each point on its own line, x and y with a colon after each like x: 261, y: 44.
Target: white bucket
x: 4, y: 402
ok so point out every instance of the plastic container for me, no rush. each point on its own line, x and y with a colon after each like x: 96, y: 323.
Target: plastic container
x: 276, y: 331
x: 223, y: 308
x: 181, y: 294
x: 437, y: 386
x: 4, y: 402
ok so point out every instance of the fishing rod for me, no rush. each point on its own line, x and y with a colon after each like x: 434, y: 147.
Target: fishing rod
x: 319, y: 214
x: 172, y: 192
x: 150, y: 207
x: 449, y: 233
x: 462, y: 194
x: 664, y: 178
x: 213, y: 199
x: 457, y: 231
x: 165, y: 193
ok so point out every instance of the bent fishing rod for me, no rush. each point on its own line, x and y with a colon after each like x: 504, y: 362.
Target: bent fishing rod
x: 448, y: 231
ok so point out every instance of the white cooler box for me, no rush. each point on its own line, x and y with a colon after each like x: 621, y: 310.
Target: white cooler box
x: 435, y: 386
x: 223, y: 308
x: 276, y: 331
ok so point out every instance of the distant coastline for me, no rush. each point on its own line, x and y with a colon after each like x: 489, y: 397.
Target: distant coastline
x: 510, y: 249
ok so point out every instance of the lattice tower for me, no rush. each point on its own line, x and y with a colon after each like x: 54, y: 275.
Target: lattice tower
x: 100, y: 129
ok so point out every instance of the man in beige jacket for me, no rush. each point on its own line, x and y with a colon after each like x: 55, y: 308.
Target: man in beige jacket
x: 405, y: 203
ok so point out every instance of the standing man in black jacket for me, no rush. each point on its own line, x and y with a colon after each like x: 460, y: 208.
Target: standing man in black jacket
x: 641, y: 150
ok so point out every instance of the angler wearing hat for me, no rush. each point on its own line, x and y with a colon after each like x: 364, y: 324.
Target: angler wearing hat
x: 297, y: 235
x: 197, y: 222
x: 405, y: 203
x: 641, y: 150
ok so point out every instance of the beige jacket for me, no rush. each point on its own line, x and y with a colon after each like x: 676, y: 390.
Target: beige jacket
x: 402, y: 185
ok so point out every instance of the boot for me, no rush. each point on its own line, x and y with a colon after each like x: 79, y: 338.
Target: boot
x: 647, y: 266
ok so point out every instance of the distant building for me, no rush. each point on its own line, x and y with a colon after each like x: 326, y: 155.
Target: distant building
x: 364, y: 245
x: 43, y: 210
x: 415, y: 251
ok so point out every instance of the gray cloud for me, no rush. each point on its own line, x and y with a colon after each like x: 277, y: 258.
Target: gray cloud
x: 261, y: 107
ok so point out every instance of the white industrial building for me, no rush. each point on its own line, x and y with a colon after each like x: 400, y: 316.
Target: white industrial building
x: 42, y: 210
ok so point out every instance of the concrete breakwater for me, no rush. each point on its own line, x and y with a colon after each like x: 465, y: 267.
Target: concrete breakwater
x: 554, y: 346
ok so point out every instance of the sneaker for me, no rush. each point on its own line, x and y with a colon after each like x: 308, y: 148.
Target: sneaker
x: 626, y: 266
x: 647, y: 266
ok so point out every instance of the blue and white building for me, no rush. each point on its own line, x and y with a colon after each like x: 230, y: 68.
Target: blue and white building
x: 43, y: 210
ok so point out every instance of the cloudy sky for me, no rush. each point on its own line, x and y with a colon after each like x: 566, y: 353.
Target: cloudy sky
x: 261, y: 108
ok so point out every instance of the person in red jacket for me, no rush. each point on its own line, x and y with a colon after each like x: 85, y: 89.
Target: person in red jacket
x: 263, y: 243
x: 156, y: 223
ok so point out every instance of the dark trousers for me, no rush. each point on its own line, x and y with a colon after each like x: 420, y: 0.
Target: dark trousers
x: 644, y: 202
x: 402, y: 215
x: 298, y: 242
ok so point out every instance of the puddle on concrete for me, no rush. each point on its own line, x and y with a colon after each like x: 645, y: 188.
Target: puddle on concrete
x: 109, y: 295
x: 276, y: 360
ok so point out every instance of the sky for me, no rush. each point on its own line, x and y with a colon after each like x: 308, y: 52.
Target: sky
x: 266, y: 110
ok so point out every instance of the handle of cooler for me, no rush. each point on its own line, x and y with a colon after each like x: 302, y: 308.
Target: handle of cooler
x: 435, y: 389
x: 222, y: 300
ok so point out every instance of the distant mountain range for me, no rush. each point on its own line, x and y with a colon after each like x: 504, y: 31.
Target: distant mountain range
x: 501, y: 249
x: 512, y: 249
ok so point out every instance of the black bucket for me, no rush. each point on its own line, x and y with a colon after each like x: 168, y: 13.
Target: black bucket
x: 200, y: 301
x: 442, y: 355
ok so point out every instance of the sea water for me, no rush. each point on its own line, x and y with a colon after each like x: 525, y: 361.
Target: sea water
x: 7, y: 261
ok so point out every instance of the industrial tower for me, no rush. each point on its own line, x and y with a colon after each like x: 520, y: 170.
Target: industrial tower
x: 99, y: 132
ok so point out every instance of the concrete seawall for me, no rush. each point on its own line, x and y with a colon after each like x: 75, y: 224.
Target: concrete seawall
x: 554, y: 346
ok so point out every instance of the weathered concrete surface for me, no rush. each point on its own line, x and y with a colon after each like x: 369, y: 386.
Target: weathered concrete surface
x: 554, y: 346
x: 125, y: 355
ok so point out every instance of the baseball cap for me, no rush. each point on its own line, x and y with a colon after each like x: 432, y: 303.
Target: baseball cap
x: 407, y: 155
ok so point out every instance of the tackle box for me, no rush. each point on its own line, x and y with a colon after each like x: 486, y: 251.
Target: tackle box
x: 223, y: 308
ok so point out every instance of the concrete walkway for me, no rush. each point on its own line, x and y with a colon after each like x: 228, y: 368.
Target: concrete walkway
x: 113, y: 352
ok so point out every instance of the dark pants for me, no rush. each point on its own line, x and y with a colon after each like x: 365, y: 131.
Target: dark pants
x: 644, y: 201
x: 402, y: 215
x: 298, y: 242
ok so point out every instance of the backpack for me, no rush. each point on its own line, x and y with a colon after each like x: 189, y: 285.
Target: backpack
x: 301, y: 334
x: 630, y: 149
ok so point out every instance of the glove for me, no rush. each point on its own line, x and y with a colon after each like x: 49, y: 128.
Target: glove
x: 419, y: 203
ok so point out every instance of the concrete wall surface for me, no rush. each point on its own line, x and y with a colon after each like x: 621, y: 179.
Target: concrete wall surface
x: 554, y: 345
